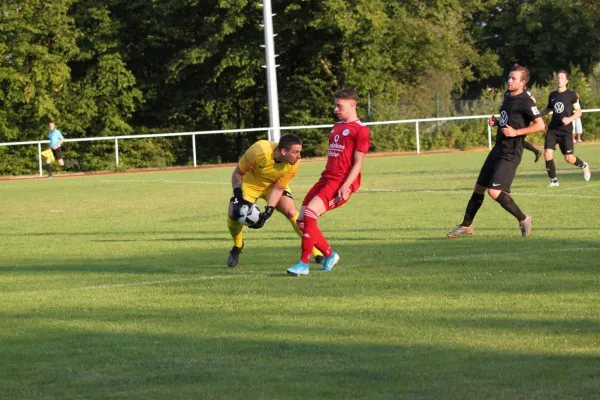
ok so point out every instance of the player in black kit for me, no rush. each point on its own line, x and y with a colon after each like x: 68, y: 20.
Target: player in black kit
x: 563, y: 103
x: 517, y: 112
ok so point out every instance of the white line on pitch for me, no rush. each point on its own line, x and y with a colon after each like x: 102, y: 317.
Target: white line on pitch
x: 119, y: 285
x: 519, y: 253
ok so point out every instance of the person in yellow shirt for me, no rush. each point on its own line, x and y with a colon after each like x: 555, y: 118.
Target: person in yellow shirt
x: 264, y: 171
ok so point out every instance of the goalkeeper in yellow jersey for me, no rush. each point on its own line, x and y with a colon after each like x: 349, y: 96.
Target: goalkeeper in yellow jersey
x: 264, y: 171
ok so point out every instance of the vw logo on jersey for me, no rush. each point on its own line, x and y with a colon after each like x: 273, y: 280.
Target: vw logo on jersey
x: 336, y: 138
x: 503, y: 118
x: 559, y: 107
x: 346, y: 132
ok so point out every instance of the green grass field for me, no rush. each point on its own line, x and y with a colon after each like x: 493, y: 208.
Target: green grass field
x: 116, y: 286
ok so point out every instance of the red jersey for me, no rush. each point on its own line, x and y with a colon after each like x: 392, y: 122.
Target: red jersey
x: 344, y: 139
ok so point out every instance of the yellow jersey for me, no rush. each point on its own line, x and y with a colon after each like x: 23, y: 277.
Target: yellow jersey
x: 260, y: 169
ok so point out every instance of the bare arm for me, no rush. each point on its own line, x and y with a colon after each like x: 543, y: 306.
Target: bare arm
x: 359, y: 158
x: 537, y: 126
x: 237, y: 177
x: 577, y: 114
x: 275, y: 195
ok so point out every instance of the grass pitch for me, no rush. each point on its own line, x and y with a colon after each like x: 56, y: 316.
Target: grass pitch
x: 117, y: 286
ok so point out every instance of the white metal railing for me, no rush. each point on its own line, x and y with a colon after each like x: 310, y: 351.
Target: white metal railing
x: 283, y: 128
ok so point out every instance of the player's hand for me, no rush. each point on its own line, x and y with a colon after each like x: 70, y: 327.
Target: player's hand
x: 566, y: 121
x: 509, y: 131
x: 263, y: 217
x: 492, y: 121
x: 344, y: 193
x: 238, y: 201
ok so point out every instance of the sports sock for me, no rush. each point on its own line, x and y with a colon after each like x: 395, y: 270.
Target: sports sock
x: 530, y: 147
x: 235, y: 229
x: 293, y: 221
x: 68, y: 163
x: 475, y: 202
x: 313, y: 237
x: 509, y: 205
x: 551, y: 168
x: 49, y: 168
x: 579, y: 162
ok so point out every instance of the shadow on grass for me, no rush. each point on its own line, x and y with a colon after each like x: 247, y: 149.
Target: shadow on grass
x: 521, y: 261
x: 198, y: 354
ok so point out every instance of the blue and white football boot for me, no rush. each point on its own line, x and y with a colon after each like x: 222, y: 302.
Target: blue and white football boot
x: 330, y: 262
x: 298, y: 269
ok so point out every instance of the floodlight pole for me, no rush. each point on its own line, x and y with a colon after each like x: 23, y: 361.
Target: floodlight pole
x: 274, y: 133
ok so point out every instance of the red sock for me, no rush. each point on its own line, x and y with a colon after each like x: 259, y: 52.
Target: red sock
x: 312, y: 237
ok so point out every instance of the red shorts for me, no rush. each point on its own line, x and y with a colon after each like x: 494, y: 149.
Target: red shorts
x: 327, y: 191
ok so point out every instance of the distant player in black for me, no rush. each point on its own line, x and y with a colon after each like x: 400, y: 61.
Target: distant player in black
x: 565, y: 109
x: 517, y: 112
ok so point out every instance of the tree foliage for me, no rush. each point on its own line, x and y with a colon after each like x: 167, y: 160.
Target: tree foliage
x: 114, y: 67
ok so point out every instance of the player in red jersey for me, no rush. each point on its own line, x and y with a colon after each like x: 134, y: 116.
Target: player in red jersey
x: 349, y: 141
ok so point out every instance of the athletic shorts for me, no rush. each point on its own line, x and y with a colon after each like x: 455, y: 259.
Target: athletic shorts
x: 577, y: 128
x: 57, y: 153
x: 565, y: 142
x: 252, y: 193
x: 497, y: 173
x: 327, y: 191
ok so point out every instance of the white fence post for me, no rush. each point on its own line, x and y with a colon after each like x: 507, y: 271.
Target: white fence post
x: 418, y: 139
x: 40, y: 158
x: 194, y: 148
x: 117, y: 152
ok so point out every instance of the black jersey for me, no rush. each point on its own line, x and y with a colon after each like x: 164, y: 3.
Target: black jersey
x: 518, y: 112
x: 561, y: 103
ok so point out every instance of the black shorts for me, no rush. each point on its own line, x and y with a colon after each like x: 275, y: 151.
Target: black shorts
x: 497, y: 173
x: 57, y: 153
x: 565, y: 141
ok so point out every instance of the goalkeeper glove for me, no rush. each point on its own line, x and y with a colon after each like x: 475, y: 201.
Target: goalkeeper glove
x: 263, y: 217
x: 238, y: 201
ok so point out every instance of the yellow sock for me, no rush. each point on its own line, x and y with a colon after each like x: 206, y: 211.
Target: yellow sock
x: 293, y: 220
x: 235, y: 229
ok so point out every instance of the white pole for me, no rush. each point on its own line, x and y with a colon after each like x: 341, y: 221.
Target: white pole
x: 417, y: 132
x: 271, y: 76
x: 40, y: 158
x: 117, y: 152
x: 489, y: 136
x: 194, y: 148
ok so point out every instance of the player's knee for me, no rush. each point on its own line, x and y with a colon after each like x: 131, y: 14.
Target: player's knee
x: 493, y: 193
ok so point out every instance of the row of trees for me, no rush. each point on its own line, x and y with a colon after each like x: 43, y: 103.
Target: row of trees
x: 115, y: 67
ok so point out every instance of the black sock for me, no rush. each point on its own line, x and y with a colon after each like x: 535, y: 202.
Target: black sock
x: 579, y: 162
x: 530, y: 147
x: 49, y: 168
x: 69, y: 163
x: 551, y: 168
x: 509, y: 205
x: 472, y: 207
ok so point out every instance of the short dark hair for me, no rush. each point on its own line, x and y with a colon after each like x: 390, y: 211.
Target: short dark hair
x: 347, y: 94
x: 288, y: 140
x: 562, y: 71
x: 523, y: 70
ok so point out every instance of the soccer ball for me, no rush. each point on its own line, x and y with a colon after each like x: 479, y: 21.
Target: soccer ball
x: 248, y: 215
